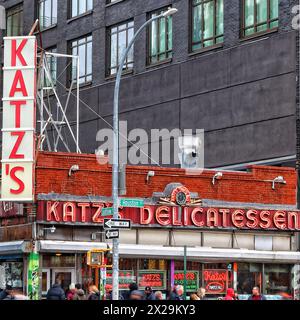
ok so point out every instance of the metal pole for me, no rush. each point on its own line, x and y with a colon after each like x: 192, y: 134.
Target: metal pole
x: 77, y: 102
x: 184, y: 272
x: 115, y: 173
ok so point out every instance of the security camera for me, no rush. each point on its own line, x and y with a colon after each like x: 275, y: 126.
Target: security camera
x: 73, y: 169
x: 279, y: 179
x: 217, y: 176
x: 52, y: 229
x: 150, y: 174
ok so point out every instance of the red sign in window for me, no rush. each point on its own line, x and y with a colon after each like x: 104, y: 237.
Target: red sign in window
x: 215, y: 281
x: 156, y: 280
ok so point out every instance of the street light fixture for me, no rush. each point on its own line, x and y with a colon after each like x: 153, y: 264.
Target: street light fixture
x: 115, y: 173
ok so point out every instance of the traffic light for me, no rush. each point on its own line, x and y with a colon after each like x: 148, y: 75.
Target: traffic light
x: 99, y: 258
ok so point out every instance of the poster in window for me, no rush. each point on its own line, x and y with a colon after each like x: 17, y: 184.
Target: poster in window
x: 215, y: 281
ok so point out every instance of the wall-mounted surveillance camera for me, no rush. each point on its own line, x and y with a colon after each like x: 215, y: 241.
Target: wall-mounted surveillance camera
x: 217, y: 176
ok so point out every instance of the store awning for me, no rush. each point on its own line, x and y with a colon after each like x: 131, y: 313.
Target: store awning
x: 13, y: 247
x: 164, y: 252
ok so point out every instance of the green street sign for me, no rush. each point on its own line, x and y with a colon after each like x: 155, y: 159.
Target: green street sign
x: 132, y: 203
x: 107, y: 212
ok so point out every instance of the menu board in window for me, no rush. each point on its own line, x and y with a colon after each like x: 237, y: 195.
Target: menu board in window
x: 154, y: 279
x: 192, y: 280
x: 125, y: 278
x: 215, y: 281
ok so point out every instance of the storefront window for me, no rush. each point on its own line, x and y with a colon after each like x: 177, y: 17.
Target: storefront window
x: 11, y: 273
x: 59, y: 261
x: 152, y: 264
x: 277, y: 279
x: 248, y: 276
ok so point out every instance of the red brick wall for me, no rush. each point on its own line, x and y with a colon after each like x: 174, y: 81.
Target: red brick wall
x: 94, y: 179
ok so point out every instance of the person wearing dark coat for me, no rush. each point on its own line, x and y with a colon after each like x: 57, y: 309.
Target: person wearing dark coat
x: 94, y: 293
x: 173, y: 293
x: 56, y: 292
x: 132, y: 287
x: 178, y: 294
x: 3, y: 294
x: 149, y: 294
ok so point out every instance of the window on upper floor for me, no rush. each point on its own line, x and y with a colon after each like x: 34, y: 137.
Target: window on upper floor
x: 259, y: 16
x: 83, y: 48
x: 51, y: 67
x: 47, y: 11
x: 207, y: 23
x: 14, y: 21
x: 118, y: 38
x: 79, y: 7
x: 160, y: 38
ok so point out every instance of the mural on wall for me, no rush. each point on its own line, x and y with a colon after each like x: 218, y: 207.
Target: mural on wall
x: 33, y: 276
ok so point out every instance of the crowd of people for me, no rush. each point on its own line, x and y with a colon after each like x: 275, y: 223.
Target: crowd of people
x: 76, y: 292
x: 12, y: 294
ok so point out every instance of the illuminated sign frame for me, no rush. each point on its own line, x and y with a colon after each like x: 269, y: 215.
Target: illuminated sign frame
x: 19, y: 119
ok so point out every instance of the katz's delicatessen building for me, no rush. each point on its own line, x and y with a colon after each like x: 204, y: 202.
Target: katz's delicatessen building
x: 240, y: 230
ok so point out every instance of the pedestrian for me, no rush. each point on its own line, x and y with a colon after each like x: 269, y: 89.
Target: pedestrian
x: 201, y: 293
x: 9, y: 293
x: 178, y: 293
x: 80, y: 294
x: 230, y: 295
x: 136, y: 295
x: 256, y: 295
x: 132, y: 287
x: 158, y: 295
x: 94, y: 293
x: 173, y: 293
x: 72, y: 291
x: 108, y: 292
x: 19, y: 295
x: 194, y: 296
x: 149, y: 294
x: 56, y: 292
x: 14, y: 294
x: 3, y: 294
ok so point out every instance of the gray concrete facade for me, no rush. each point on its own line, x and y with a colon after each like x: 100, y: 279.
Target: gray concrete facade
x: 243, y: 94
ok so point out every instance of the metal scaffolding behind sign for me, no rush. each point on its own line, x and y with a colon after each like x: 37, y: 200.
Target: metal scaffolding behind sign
x: 55, y: 128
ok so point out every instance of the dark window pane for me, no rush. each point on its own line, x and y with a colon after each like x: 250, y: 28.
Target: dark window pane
x: 160, y: 38
x: 207, y: 23
x: 119, y: 38
x: 259, y: 16
x: 83, y: 48
x: 14, y: 21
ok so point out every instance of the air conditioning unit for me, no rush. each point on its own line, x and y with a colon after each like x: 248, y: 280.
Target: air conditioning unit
x: 190, y: 148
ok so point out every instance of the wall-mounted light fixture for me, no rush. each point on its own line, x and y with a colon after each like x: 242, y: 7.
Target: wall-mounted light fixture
x: 73, y: 169
x: 278, y: 179
x: 217, y: 176
x: 43, y: 231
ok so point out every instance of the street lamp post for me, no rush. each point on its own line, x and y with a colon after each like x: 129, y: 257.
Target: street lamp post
x: 115, y: 174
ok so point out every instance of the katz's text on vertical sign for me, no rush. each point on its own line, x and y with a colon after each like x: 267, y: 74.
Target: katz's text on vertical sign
x: 19, y: 110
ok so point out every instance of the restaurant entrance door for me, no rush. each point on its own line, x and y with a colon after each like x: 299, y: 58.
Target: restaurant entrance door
x: 66, y: 275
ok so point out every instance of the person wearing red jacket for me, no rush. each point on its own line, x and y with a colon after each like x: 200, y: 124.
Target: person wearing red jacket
x: 230, y: 294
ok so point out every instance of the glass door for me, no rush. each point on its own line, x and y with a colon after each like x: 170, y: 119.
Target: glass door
x: 67, y: 276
